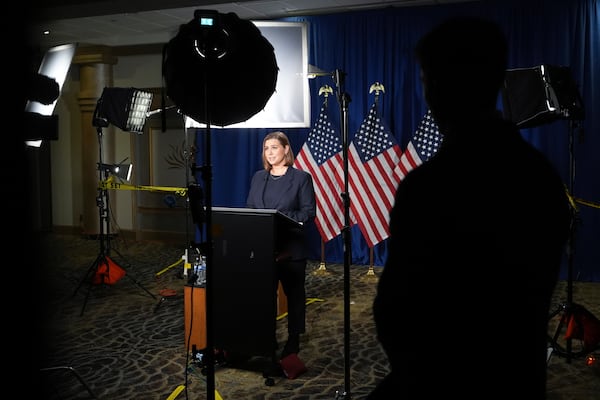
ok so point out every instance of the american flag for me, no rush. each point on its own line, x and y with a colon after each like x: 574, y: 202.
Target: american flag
x: 424, y: 144
x: 372, y: 157
x: 321, y: 156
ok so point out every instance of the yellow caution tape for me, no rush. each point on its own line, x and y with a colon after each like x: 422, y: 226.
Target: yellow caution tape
x: 573, y: 200
x: 176, y: 392
x: 112, y: 184
x: 587, y: 203
x: 180, y: 388
x: 308, y: 301
x: 313, y: 300
x: 176, y: 263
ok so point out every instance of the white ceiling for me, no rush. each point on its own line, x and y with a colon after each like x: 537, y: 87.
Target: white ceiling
x: 132, y: 22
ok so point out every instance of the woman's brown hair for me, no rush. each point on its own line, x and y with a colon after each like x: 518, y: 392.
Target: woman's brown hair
x: 284, y: 141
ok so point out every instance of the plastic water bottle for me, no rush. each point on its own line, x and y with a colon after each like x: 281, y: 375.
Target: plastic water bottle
x: 200, y: 271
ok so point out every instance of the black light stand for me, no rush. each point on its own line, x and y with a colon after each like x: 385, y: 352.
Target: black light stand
x: 214, y: 46
x: 566, y: 309
x: 533, y: 97
x: 103, y: 203
x: 343, y: 100
x: 209, y: 49
x: 209, y: 354
x: 562, y: 93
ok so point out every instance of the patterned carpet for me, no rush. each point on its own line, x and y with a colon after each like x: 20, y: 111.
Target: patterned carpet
x: 127, y: 340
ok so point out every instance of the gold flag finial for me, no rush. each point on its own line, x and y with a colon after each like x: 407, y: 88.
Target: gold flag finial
x: 325, y: 89
x: 377, y: 87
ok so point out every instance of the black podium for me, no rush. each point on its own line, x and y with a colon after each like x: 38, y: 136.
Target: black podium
x: 244, y: 282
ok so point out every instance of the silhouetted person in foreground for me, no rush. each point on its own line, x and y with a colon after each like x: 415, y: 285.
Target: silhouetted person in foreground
x: 477, y: 235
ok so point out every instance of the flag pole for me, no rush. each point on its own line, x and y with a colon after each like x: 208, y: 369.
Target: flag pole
x: 324, y: 90
x: 376, y: 87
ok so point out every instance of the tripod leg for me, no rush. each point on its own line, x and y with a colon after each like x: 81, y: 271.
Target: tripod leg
x: 558, y: 323
x: 140, y: 286
x: 133, y: 279
x: 87, y: 295
x: 76, y: 374
x: 89, y: 275
x: 162, y: 299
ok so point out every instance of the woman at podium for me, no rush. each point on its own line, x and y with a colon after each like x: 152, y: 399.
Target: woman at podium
x: 289, y: 190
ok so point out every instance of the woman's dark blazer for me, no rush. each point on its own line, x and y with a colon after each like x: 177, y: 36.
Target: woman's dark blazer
x: 297, y: 201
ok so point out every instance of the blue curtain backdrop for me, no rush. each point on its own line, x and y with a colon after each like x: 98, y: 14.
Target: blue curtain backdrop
x: 377, y: 46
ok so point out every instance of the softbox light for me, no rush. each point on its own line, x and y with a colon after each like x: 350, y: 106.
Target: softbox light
x: 42, y: 92
x: 219, y: 69
x: 540, y: 95
x: 125, y: 108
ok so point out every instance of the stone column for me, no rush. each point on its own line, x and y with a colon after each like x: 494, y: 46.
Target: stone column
x: 97, y: 144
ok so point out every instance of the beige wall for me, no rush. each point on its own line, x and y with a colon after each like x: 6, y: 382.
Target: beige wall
x: 140, y: 71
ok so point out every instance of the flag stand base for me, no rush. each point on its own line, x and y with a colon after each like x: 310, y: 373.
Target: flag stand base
x: 371, y: 276
x: 322, y: 270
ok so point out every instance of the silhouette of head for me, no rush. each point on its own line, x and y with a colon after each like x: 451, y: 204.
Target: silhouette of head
x: 463, y: 61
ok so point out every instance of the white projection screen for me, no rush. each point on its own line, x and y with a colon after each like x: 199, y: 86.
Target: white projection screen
x: 289, y: 106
